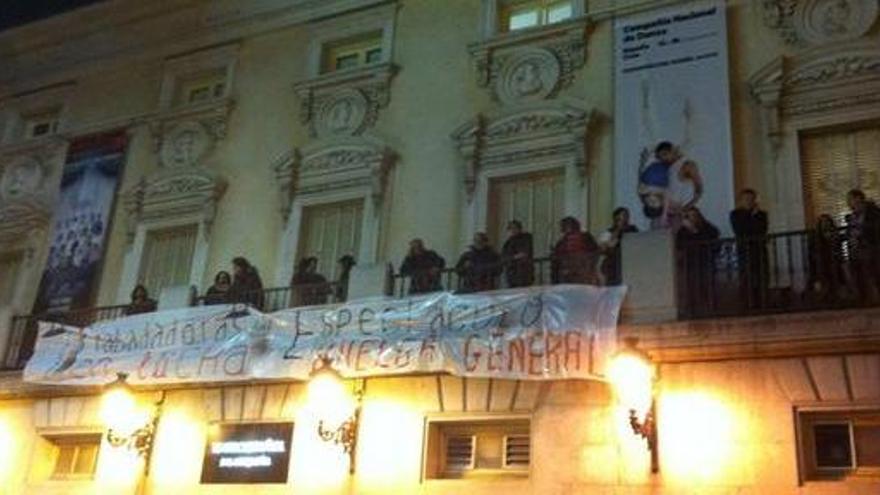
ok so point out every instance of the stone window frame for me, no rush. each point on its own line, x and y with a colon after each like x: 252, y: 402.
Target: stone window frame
x: 805, y: 415
x: 431, y: 469
x: 819, y: 88
x: 326, y: 32
x: 490, y: 11
x: 15, y: 112
x: 177, y: 69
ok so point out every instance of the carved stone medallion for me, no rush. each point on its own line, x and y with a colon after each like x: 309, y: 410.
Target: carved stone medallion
x: 185, y: 144
x: 21, y: 178
x: 344, y: 113
x: 528, y: 74
x: 820, y: 22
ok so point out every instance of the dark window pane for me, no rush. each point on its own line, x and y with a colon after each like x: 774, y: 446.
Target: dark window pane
x: 833, y: 448
x: 346, y: 61
x: 374, y: 55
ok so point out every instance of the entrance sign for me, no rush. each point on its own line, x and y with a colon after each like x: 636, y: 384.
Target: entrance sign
x: 564, y: 331
x: 248, y: 453
x: 672, y: 114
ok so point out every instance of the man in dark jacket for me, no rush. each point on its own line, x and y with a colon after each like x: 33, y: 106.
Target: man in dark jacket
x: 517, y: 254
x: 863, y: 236
x: 575, y: 255
x: 749, y: 224
x: 422, y: 266
x: 247, y: 287
x: 479, y: 267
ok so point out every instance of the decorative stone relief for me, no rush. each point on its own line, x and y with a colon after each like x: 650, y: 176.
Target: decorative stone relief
x: 174, y: 193
x: 185, y: 145
x: 817, y: 22
x: 331, y: 167
x: 555, y: 134
x: 185, y: 137
x: 532, y: 64
x: 824, y: 81
x: 345, y: 103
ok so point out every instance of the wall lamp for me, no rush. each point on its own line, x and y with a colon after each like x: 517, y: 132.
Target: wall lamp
x: 337, y: 409
x: 632, y: 374
x: 130, y: 424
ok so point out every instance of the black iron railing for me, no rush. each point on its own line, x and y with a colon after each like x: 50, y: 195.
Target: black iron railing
x: 278, y: 298
x: 23, y: 332
x: 776, y: 273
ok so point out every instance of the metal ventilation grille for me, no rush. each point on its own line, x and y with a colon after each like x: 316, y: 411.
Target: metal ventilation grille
x: 517, y: 451
x: 460, y: 452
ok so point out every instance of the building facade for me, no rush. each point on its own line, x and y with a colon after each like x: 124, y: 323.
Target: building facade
x: 281, y: 129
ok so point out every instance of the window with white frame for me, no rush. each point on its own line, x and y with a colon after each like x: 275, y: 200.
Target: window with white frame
x: 353, y: 52
x: 198, y: 77
x: 41, y: 124
x: 329, y: 232
x: 515, y: 15
x: 537, y: 200
x: 9, y: 267
x: 75, y: 456
x: 201, y: 87
x: 839, y: 444
x: 167, y: 258
x: 465, y: 448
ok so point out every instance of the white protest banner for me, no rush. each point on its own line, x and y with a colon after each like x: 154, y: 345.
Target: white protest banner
x: 564, y: 331
x: 672, y: 114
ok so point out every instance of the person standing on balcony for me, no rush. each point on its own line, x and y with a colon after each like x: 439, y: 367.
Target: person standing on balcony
x: 863, y: 236
x: 479, y: 267
x: 828, y: 279
x: 609, y: 243
x: 344, y: 264
x: 218, y: 293
x: 749, y: 223
x: 423, y: 267
x: 697, y: 242
x: 575, y: 255
x: 518, y: 254
x: 247, y: 287
x: 140, y: 302
x: 310, y: 288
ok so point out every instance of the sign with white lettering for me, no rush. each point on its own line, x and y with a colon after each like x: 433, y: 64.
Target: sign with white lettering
x: 248, y: 453
x: 673, y: 145
x: 563, y: 331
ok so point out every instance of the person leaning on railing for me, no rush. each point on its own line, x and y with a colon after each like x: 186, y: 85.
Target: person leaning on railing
x: 247, y: 287
x: 423, y: 267
x: 479, y: 267
x: 575, y: 255
x: 863, y: 237
x: 749, y: 223
x: 140, y: 302
x: 517, y: 255
x: 310, y: 288
x: 697, y: 249
x: 218, y: 293
x: 828, y: 277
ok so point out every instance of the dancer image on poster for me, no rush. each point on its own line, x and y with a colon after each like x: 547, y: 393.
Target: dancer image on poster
x: 668, y: 185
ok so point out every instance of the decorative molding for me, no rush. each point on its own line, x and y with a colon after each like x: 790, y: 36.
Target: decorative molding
x: 817, y: 83
x: 200, y: 126
x: 326, y: 167
x: 174, y: 192
x: 345, y: 103
x: 553, y: 133
x: 531, y: 64
x: 818, y: 22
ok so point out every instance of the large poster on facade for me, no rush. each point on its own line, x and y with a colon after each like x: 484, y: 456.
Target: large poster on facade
x: 89, y: 180
x: 672, y: 114
x: 564, y: 331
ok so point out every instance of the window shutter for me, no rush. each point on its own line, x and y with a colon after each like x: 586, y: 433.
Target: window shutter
x: 460, y: 452
x: 517, y: 451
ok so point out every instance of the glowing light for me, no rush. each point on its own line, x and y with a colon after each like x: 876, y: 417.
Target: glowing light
x: 179, y: 439
x: 697, y: 433
x: 632, y: 377
x: 329, y: 399
x: 120, y: 411
x: 7, y: 450
x: 386, y: 453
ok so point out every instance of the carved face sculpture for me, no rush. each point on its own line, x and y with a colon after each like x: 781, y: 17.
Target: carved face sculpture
x: 527, y: 79
x: 340, y: 115
x: 20, y: 179
x: 836, y: 17
x: 184, y: 152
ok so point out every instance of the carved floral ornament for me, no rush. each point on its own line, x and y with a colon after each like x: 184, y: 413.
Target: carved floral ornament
x: 532, y: 65
x: 555, y: 135
x: 816, y: 22
x: 184, y: 138
x: 332, y: 167
x: 820, y: 82
x: 25, y: 203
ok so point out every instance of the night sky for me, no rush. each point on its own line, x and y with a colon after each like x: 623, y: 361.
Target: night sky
x: 18, y: 12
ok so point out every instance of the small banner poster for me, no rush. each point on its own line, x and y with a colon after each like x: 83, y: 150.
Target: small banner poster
x: 88, y: 186
x: 564, y: 331
x: 672, y: 114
